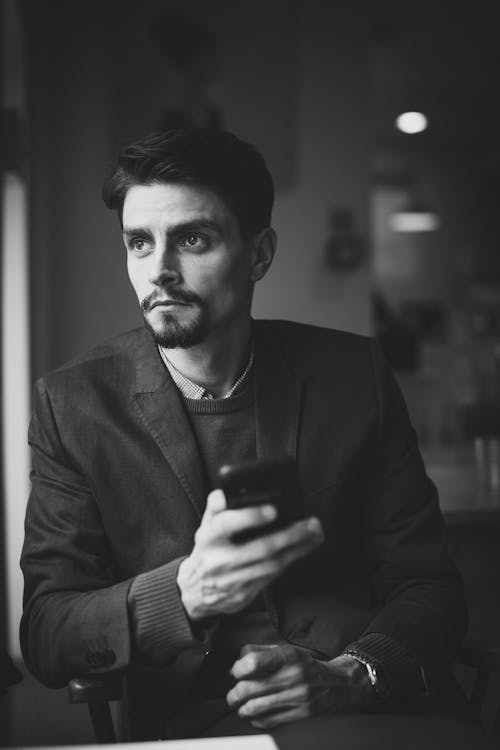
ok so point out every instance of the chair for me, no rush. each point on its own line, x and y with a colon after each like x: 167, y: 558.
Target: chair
x: 9, y: 674
x: 97, y: 691
x: 484, y: 659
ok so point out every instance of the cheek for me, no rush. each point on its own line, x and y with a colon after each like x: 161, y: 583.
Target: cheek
x: 137, y: 279
x: 224, y: 285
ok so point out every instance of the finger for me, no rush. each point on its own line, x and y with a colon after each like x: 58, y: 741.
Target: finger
x: 275, y: 553
x: 232, y: 522
x: 282, y: 700
x: 216, y: 502
x: 305, y: 534
x: 242, y: 579
x: 282, y: 679
x: 261, y: 663
x: 268, y: 721
x: 237, y: 575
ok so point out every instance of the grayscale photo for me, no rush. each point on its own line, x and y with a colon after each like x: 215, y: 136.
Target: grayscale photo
x: 250, y: 374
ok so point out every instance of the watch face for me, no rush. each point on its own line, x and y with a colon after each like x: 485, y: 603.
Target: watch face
x: 372, y: 674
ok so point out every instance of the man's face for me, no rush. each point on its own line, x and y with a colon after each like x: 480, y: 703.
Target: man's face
x: 186, y: 259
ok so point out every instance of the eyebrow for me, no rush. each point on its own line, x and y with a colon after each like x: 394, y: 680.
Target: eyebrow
x: 185, y: 226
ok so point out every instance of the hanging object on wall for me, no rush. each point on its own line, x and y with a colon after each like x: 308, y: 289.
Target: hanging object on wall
x: 415, y: 216
x: 344, y: 249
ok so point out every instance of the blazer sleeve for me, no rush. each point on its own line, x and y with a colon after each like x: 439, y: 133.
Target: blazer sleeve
x: 423, y: 616
x: 76, y: 617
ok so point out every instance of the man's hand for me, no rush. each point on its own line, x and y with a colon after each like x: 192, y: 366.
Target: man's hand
x: 279, y: 684
x: 222, y: 576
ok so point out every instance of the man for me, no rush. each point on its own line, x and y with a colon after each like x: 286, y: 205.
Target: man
x: 130, y: 559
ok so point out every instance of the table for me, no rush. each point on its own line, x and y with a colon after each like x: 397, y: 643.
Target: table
x: 370, y: 731
x: 383, y: 732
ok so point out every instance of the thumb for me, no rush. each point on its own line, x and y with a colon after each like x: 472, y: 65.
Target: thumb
x: 216, y: 502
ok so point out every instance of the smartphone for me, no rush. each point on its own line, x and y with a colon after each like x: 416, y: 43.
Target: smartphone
x: 270, y: 481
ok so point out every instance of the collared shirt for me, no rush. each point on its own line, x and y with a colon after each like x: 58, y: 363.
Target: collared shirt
x: 195, y: 391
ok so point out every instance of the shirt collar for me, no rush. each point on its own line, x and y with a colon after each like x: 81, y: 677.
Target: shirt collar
x: 195, y: 391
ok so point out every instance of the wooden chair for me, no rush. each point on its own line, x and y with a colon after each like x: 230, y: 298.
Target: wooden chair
x: 484, y: 659
x: 97, y: 692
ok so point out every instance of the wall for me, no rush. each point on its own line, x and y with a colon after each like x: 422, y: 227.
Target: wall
x: 83, y: 103
x: 333, y: 170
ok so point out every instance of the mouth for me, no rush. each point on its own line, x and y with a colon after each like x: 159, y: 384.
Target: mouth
x: 167, y: 303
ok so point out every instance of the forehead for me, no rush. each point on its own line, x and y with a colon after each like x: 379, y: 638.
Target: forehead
x: 168, y: 204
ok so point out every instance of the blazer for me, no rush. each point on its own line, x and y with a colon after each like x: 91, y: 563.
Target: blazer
x: 117, y: 492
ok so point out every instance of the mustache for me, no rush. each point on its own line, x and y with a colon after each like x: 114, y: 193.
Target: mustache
x: 174, y: 295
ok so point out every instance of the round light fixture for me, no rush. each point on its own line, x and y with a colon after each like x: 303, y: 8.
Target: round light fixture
x: 411, y: 122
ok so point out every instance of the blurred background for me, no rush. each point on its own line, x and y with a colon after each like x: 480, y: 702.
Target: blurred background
x: 387, y: 225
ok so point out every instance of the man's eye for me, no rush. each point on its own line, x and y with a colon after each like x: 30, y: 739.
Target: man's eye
x: 139, y: 246
x: 194, y: 241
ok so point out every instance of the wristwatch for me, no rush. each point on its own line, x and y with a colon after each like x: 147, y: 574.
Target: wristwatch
x: 377, y: 682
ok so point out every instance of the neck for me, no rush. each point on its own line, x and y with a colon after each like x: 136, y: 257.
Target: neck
x: 216, y: 363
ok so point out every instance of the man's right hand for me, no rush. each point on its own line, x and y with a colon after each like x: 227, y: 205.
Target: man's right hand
x: 222, y: 576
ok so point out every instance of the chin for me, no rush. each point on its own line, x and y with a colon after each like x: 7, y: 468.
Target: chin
x: 174, y: 334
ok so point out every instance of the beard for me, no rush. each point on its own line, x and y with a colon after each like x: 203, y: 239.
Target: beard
x: 170, y: 332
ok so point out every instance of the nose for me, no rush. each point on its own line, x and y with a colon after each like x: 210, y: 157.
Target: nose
x: 164, y: 270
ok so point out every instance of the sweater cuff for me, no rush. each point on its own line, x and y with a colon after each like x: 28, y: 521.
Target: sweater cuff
x: 399, y: 671
x: 160, y: 624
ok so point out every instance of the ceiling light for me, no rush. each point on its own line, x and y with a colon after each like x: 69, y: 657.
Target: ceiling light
x: 411, y: 122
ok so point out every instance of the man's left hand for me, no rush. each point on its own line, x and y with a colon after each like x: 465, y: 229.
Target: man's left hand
x: 280, y: 684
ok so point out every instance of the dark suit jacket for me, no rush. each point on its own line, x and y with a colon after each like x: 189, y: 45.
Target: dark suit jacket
x: 118, y: 490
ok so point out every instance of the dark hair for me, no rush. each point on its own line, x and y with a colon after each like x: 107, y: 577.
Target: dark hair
x: 216, y: 160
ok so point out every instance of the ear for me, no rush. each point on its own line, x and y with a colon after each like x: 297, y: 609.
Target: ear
x: 263, y: 249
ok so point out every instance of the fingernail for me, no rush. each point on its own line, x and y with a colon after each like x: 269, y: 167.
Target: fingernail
x: 314, y: 525
x: 269, y: 512
x: 234, y: 670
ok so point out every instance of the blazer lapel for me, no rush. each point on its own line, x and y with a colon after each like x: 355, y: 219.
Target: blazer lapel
x: 277, y: 408
x: 277, y: 401
x: 160, y: 404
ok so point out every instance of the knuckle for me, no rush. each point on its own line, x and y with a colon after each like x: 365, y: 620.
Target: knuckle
x: 200, y: 535
x: 304, y: 691
x: 301, y: 669
x: 272, y: 546
x: 252, y: 707
x: 289, y: 652
x: 252, y: 660
x: 274, y: 567
x: 220, y: 524
x: 239, y: 600
x: 237, y: 693
x: 300, y: 532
